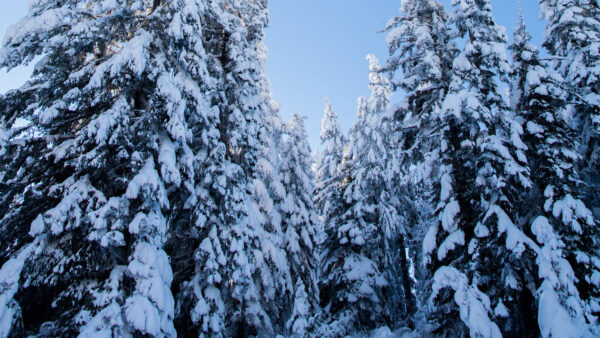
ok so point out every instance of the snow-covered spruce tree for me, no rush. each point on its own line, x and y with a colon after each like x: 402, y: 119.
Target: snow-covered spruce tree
x: 292, y: 316
x: 327, y: 194
x: 572, y: 37
x: 119, y: 105
x: 470, y: 250
x: 300, y: 228
x: 330, y: 160
x: 355, y: 281
x: 149, y: 131
x: 243, y: 283
x: 554, y: 207
x: 400, y: 289
x: 421, y: 53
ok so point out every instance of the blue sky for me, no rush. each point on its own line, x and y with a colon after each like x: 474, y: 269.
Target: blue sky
x: 10, y: 12
x: 317, y: 49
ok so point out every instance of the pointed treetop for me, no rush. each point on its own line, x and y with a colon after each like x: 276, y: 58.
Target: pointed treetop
x: 522, y: 50
x: 362, y: 109
x: 330, y: 128
x: 297, y: 124
x: 521, y: 36
x: 381, y: 90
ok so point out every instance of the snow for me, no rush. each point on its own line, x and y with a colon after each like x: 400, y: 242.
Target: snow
x: 542, y: 229
x: 152, y: 224
x: 534, y: 128
x: 142, y: 315
x: 68, y: 214
x: 501, y: 310
x: 31, y: 26
x: 571, y: 210
x: 449, y: 214
x: 462, y: 63
x: 430, y: 242
x: 533, y: 79
x: 512, y: 282
x: 172, y: 88
x: 167, y: 159
x: 474, y: 306
x: 446, y: 187
x: 10, y: 274
x: 151, y: 309
x: 358, y: 267
x: 104, y: 324
x: 451, y: 242
x: 298, y: 322
x: 382, y: 332
x: 148, y: 183
x: 113, y: 238
x: 516, y: 240
x: 132, y: 56
x: 108, y: 232
x: 108, y: 122
x: 595, y: 279
x: 48, y: 115
x: 482, y: 231
x: 553, y: 319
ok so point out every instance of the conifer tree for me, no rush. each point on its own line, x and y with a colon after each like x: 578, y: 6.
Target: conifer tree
x: 400, y: 290
x: 252, y: 295
x: 116, y: 123
x: 554, y: 208
x: 330, y: 161
x: 482, y: 163
x: 327, y: 198
x: 355, y: 285
x: 572, y: 37
x: 300, y: 228
x: 135, y: 210
x: 421, y: 53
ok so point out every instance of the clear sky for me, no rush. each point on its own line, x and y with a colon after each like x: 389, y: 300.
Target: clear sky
x: 317, y: 49
x: 10, y: 12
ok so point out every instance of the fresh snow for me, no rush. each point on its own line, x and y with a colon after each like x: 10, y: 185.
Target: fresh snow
x: 151, y: 187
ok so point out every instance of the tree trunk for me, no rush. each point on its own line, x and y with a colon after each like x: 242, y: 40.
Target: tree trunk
x: 409, y: 301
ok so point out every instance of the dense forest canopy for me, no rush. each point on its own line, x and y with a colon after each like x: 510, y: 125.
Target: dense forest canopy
x: 150, y: 187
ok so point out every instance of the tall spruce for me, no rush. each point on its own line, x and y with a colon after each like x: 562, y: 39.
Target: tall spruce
x: 421, y: 49
x: 327, y: 197
x: 482, y: 164
x: 220, y: 295
x: 111, y: 153
x: 421, y: 52
x: 300, y: 228
x: 572, y: 37
x: 355, y: 282
x: 137, y: 207
x: 554, y: 207
x: 401, y: 302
